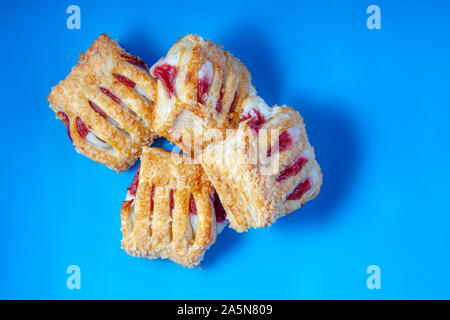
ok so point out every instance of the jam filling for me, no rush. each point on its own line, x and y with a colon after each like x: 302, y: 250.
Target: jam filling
x: 124, y: 80
x: 111, y: 95
x: 171, y: 200
x: 82, y: 129
x: 256, y: 122
x: 293, y: 169
x: 203, y: 85
x: 134, y: 184
x: 219, y: 105
x: 151, y: 199
x: 300, y: 190
x: 97, y: 109
x: 285, y: 142
x: 192, y: 206
x: 166, y: 74
x: 233, y: 103
x: 221, y: 214
x: 136, y: 61
x: 65, y: 119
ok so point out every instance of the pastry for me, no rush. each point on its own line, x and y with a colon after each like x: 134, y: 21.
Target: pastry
x: 199, y: 91
x: 106, y: 104
x: 266, y: 168
x: 171, y: 210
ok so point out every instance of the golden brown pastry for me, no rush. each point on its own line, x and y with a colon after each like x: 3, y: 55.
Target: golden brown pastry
x: 106, y: 104
x: 171, y: 210
x: 199, y: 87
x: 266, y: 168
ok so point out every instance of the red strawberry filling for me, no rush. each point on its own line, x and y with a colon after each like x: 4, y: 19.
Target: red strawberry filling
x: 166, y: 74
x: 221, y: 214
x: 300, y: 190
x: 151, y: 199
x: 293, y: 169
x: 124, y: 80
x: 135, y: 61
x: 219, y: 101
x: 233, y: 103
x: 203, y: 85
x: 192, y: 207
x: 256, y: 121
x: 285, y: 142
x: 65, y: 119
x: 111, y: 95
x: 171, y: 200
x: 134, y: 184
x: 82, y: 129
x: 97, y: 109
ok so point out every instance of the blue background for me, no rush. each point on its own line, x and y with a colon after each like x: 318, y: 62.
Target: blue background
x: 376, y: 105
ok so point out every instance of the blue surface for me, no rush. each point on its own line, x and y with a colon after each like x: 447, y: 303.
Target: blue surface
x: 376, y: 104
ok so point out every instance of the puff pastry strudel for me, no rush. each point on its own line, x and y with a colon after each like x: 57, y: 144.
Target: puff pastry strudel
x: 199, y: 87
x: 106, y: 104
x: 266, y: 168
x: 171, y: 210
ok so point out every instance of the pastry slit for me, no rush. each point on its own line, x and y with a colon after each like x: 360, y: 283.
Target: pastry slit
x: 205, y: 81
x: 120, y: 102
x: 110, y: 120
x: 190, y: 231
x: 292, y: 169
x: 88, y: 140
x: 117, y: 116
x: 192, y: 215
x: 144, y: 83
x: 105, y: 141
x: 132, y: 101
x: 92, y: 136
x: 170, y: 219
x: 233, y: 103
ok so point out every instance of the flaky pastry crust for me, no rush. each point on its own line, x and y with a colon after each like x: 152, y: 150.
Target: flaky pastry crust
x: 266, y: 168
x: 106, y: 103
x: 199, y: 87
x: 170, y: 210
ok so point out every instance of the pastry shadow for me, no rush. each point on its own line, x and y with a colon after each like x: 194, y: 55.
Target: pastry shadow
x: 333, y: 134
x: 252, y: 45
x: 225, y: 243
